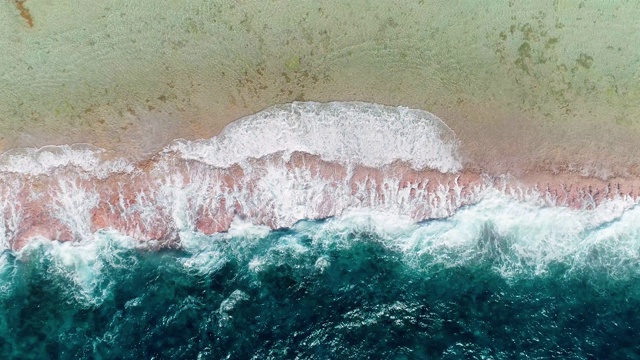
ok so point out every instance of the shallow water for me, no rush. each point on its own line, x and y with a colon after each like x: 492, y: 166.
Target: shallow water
x: 536, y: 84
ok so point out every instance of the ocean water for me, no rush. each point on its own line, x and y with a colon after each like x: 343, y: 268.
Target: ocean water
x: 361, y: 286
x: 494, y: 277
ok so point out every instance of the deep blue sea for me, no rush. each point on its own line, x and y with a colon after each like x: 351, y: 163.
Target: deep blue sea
x: 478, y: 285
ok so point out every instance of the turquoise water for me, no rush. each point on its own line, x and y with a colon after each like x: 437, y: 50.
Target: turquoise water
x: 362, y: 286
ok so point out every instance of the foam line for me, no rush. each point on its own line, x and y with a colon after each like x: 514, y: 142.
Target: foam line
x: 345, y: 132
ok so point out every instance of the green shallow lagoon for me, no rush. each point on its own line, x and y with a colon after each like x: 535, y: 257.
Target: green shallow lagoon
x: 330, y: 289
x: 527, y: 82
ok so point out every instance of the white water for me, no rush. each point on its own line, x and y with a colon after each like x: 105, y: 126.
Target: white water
x: 517, y: 238
x: 520, y: 235
x: 345, y: 132
x: 349, y: 133
x: 44, y: 160
x: 84, y: 263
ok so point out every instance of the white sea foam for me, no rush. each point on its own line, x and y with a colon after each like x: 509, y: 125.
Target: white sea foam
x: 526, y: 224
x: 83, y: 263
x: 229, y: 304
x: 10, y: 214
x: 516, y: 238
x: 346, y: 132
x: 521, y: 237
x: 349, y: 133
x: 245, y: 229
x: 274, y: 195
x: 80, y: 157
x: 518, y: 233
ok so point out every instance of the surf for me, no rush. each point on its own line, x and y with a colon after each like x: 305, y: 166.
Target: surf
x: 302, y: 225
x: 301, y: 161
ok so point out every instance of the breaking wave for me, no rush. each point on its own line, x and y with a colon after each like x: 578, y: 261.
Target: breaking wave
x: 493, y: 276
x: 349, y: 133
x: 310, y: 230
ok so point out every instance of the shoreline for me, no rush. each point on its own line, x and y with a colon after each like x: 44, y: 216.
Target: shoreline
x: 510, y: 143
x: 156, y: 199
x: 292, y: 162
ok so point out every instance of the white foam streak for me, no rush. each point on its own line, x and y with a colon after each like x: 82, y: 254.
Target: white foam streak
x: 84, y: 263
x: 245, y: 229
x: 229, y: 304
x: 345, y: 132
x: 514, y: 230
x: 80, y: 157
x: 10, y: 215
x: 206, y: 255
x: 73, y: 207
x: 285, y: 197
x: 521, y: 237
x: 516, y: 238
